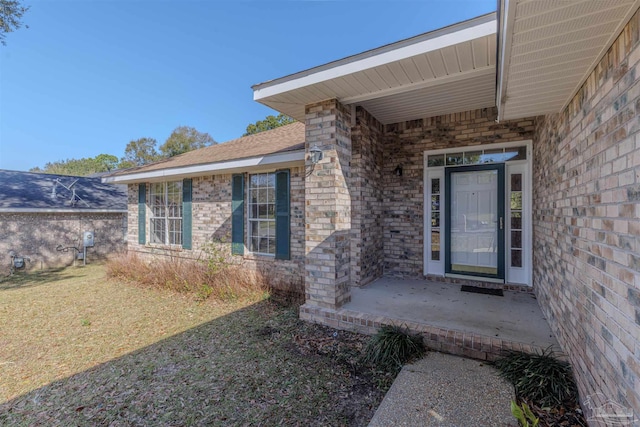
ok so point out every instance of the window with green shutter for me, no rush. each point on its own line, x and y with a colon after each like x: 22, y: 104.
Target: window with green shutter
x: 268, y: 214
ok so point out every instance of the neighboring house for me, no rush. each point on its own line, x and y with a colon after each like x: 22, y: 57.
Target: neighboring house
x: 41, y: 212
x: 503, y: 150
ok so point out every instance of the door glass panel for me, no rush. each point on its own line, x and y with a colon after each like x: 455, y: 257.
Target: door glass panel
x: 474, y: 222
x: 435, y: 219
x: 516, y: 258
x: 435, y: 245
x: 454, y: 159
x: 515, y: 197
x: 435, y: 160
x: 472, y: 157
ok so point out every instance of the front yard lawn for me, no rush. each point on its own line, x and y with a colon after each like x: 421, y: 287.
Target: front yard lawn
x: 79, y: 349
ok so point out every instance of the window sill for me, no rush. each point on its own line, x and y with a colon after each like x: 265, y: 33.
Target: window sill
x: 258, y: 255
x: 174, y: 248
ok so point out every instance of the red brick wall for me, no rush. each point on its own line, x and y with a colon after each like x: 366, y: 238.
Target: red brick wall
x: 586, y: 224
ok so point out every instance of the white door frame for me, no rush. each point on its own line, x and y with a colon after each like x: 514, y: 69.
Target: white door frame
x: 513, y: 275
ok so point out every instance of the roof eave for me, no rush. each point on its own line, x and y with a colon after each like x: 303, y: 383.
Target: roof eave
x: 374, y: 57
x: 270, y: 161
x: 60, y: 210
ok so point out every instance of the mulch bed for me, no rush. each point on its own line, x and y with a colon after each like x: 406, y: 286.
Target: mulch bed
x: 568, y: 415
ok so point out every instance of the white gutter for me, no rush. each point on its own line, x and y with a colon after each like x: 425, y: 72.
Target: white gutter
x: 449, y: 36
x: 507, y: 15
x: 272, y: 160
x: 55, y: 210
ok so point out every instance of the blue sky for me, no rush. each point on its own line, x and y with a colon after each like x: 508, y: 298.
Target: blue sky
x: 89, y: 76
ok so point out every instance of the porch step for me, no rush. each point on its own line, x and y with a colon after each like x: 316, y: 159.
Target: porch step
x: 451, y: 341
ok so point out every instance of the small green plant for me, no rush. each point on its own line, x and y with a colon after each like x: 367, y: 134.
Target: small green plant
x: 524, y: 415
x: 392, y: 347
x: 204, y: 292
x: 540, y: 378
x: 86, y: 322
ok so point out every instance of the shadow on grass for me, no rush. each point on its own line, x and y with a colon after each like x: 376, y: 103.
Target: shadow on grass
x: 29, y: 279
x: 240, y: 369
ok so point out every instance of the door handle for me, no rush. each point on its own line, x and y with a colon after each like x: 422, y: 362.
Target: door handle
x: 501, y: 223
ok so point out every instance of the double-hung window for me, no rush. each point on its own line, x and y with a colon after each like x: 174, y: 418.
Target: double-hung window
x: 264, y: 208
x: 262, y: 213
x: 165, y: 199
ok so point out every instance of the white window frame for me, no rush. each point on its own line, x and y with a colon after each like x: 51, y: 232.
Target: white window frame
x: 513, y: 275
x: 165, y: 217
x: 270, y: 221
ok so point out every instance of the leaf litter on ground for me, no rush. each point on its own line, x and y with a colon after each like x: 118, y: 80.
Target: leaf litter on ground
x: 154, y: 357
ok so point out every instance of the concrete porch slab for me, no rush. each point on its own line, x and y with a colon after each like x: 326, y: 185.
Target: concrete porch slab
x: 473, y: 325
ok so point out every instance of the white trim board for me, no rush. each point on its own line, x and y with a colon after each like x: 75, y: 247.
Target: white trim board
x: 291, y: 158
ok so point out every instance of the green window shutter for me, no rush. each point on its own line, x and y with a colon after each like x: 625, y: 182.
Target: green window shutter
x: 283, y: 221
x: 237, y: 214
x: 142, y: 207
x: 186, y: 214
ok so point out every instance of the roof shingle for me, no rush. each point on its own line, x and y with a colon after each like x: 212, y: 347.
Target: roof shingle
x: 290, y: 137
x: 34, y: 191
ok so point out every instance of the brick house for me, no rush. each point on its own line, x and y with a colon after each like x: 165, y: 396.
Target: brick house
x: 40, y: 212
x: 502, y: 151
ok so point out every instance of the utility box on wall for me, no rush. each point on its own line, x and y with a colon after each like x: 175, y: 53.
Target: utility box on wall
x: 87, y: 239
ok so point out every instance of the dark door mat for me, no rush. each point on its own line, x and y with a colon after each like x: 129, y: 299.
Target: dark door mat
x: 486, y: 291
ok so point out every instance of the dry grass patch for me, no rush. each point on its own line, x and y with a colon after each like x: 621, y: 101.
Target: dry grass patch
x: 85, y: 350
x: 55, y: 324
x: 214, y: 276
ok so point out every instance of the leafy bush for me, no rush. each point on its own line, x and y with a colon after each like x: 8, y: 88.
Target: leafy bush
x: 392, y: 347
x: 541, y: 378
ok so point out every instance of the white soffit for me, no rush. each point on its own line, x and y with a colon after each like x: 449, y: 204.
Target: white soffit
x: 444, y: 71
x: 549, y: 47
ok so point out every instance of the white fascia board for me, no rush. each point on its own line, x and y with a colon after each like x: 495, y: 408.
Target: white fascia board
x: 273, y: 160
x: 507, y: 16
x: 55, y: 210
x: 433, y: 44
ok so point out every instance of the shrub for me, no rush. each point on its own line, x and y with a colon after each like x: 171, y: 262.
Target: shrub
x: 202, y: 278
x: 541, y: 378
x: 392, y: 347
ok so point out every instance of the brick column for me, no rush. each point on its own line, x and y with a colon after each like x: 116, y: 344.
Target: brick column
x: 328, y: 206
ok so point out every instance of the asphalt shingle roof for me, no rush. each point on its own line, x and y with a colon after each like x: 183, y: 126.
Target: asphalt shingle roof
x: 27, y: 190
x: 279, y: 140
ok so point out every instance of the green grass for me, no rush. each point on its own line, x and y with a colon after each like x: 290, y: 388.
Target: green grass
x: 85, y: 350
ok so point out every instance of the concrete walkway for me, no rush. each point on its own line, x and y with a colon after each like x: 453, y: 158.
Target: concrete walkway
x: 446, y: 391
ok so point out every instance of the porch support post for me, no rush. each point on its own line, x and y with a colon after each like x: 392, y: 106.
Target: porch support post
x: 328, y: 206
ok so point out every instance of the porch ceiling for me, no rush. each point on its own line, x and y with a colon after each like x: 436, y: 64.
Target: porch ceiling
x: 549, y: 47
x: 444, y: 71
